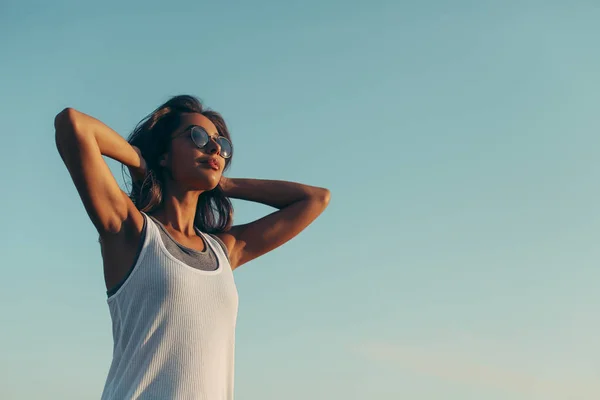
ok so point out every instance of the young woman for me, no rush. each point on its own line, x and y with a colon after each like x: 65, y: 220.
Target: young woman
x: 168, y: 247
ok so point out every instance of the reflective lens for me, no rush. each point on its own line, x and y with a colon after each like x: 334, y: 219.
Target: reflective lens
x: 201, y: 138
x: 225, y: 147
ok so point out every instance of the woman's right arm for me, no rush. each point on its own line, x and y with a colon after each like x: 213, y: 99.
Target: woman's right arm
x: 82, y: 141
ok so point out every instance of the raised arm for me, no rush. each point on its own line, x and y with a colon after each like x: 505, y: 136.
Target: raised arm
x: 298, y: 205
x: 82, y: 141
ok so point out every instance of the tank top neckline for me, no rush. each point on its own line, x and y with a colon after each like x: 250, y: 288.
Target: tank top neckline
x: 207, y: 240
x: 198, y: 233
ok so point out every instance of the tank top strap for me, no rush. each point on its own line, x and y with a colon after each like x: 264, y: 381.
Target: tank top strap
x: 152, y: 231
x: 216, y: 248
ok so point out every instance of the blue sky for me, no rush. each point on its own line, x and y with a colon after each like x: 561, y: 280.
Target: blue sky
x: 458, y: 258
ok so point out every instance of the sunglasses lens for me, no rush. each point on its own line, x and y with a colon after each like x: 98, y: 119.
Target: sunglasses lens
x: 225, y: 147
x: 199, y: 136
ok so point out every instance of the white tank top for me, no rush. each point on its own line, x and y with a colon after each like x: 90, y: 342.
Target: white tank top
x: 173, y: 328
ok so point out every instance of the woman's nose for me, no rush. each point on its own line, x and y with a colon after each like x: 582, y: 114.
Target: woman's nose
x: 212, y: 147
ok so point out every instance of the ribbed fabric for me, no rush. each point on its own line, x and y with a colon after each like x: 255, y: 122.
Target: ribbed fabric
x: 173, y: 328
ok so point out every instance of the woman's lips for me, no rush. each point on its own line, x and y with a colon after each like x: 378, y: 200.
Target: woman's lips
x: 213, y: 164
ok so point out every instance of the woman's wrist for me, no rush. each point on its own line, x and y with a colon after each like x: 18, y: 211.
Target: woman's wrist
x: 225, y: 184
x: 138, y: 172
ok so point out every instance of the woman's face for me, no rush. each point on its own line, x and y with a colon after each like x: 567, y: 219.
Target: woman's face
x: 189, y: 165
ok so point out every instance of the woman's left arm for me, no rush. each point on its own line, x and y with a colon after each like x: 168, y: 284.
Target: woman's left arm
x: 298, y: 205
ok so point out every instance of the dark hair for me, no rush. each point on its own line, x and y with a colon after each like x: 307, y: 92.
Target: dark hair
x: 153, y: 137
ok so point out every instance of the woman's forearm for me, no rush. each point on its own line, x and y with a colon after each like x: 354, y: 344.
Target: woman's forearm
x: 278, y: 194
x: 110, y: 143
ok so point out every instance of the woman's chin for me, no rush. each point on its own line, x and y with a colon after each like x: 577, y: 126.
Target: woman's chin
x: 208, y: 181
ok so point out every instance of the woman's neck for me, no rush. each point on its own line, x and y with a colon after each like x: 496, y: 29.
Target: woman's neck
x: 178, y: 212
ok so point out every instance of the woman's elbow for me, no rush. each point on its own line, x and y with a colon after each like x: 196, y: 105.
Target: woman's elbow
x: 66, y: 129
x: 65, y: 119
x: 323, y: 196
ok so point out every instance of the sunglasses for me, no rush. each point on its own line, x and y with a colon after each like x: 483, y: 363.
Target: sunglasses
x: 201, y: 138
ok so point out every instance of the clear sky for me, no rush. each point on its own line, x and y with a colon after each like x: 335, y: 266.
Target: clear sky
x: 458, y: 259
